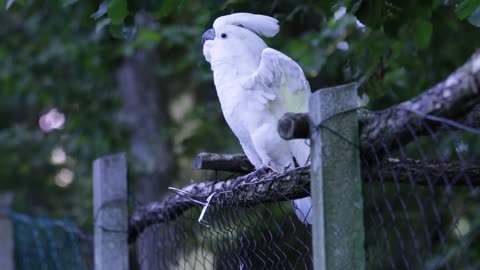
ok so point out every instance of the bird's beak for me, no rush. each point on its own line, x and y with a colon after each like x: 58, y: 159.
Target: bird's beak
x: 208, y: 35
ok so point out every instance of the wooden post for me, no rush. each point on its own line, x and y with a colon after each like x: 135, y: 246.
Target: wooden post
x: 7, y: 259
x: 338, y: 231
x: 110, y: 213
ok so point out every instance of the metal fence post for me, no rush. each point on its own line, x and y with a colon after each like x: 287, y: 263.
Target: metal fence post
x: 338, y: 230
x: 110, y: 213
x: 7, y: 259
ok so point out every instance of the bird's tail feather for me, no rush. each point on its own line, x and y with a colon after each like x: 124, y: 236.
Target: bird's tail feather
x: 303, y: 209
x: 300, y: 150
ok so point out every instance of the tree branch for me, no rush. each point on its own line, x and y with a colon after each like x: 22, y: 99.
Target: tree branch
x: 455, y: 98
x: 419, y: 172
x: 294, y: 126
x: 237, y: 163
x: 244, y: 190
x: 249, y: 191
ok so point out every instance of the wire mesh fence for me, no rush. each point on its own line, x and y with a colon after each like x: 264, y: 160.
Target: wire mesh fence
x: 43, y: 243
x: 420, y: 176
x: 422, y: 204
x: 421, y: 211
x: 234, y: 236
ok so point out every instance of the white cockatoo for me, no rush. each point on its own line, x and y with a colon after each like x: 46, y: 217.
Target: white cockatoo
x: 256, y: 86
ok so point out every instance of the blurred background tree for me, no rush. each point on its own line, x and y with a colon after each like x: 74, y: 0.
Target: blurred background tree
x: 81, y: 79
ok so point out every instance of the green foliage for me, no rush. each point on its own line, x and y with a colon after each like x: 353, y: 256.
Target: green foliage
x: 117, y: 11
x: 467, y: 7
x: 64, y: 54
x: 168, y: 7
x: 55, y: 62
x: 423, y: 34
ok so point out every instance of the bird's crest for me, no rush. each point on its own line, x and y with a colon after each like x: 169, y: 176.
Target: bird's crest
x: 259, y: 24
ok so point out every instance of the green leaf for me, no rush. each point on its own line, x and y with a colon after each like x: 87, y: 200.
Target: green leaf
x: 474, y: 19
x: 102, y: 10
x: 397, y: 77
x: 118, y: 11
x: 423, y: 34
x: 466, y: 8
x: 228, y: 3
x: 168, y: 6
x: 147, y: 38
x: 67, y: 3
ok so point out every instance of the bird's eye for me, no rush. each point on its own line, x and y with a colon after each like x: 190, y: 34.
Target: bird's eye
x: 223, y: 35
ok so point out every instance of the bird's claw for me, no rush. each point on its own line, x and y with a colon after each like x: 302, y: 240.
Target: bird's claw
x: 259, y: 172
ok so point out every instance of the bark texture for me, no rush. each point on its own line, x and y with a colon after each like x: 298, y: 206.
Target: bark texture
x: 249, y: 191
x: 154, y: 164
x: 455, y: 98
x: 243, y: 191
x: 237, y: 163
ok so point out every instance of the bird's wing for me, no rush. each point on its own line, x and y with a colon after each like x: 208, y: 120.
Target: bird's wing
x: 293, y: 90
x: 280, y: 79
x: 280, y: 82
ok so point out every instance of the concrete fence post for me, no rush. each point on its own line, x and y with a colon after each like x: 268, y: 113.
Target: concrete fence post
x: 110, y: 213
x: 338, y: 230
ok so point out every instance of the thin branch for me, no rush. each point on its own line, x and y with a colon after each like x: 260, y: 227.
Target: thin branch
x: 454, y: 98
x: 294, y: 126
x: 237, y: 163
x: 249, y: 191
x: 243, y: 191
x: 455, y: 173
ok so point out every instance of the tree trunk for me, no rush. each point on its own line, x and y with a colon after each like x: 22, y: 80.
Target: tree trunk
x: 154, y: 166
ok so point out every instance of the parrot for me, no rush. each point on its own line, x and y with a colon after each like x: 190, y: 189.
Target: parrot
x: 256, y: 85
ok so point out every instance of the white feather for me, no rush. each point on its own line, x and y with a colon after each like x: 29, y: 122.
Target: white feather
x: 281, y: 76
x: 259, y: 24
x: 256, y: 86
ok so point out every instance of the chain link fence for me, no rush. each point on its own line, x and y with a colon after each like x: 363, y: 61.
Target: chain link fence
x: 236, y: 235
x: 415, y: 205
x: 421, y: 211
x: 422, y: 204
x: 45, y: 244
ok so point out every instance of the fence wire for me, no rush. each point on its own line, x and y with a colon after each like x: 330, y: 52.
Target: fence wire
x: 50, y: 244
x: 264, y: 236
x: 422, y: 207
x: 421, y: 211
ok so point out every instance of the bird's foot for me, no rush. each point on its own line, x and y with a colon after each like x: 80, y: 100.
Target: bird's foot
x: 259, y: 172
x: 288, y: 168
